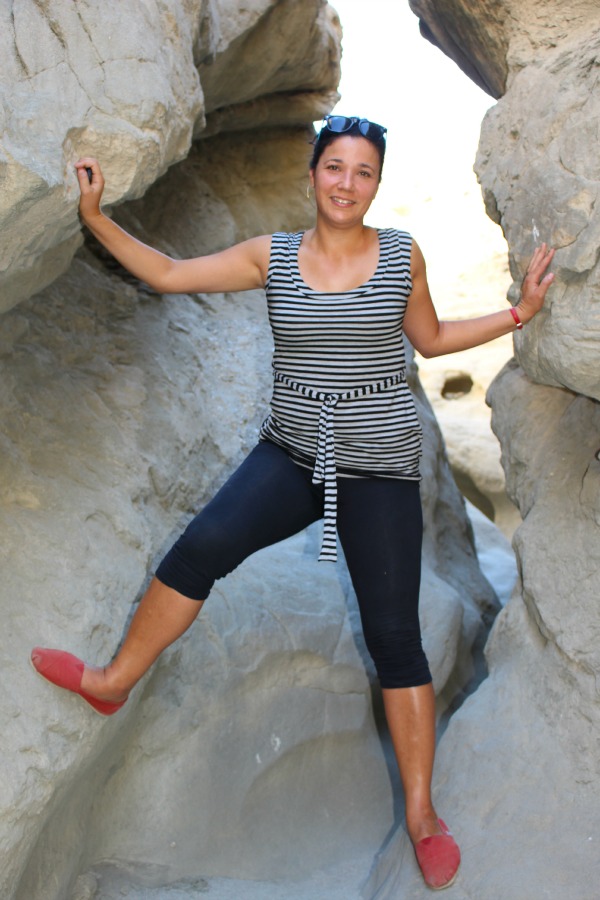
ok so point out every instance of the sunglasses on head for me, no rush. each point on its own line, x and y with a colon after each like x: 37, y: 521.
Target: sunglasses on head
x: 341, y: 124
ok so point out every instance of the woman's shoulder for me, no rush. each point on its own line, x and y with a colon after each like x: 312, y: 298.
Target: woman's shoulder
x: 396, y: 243
x: 283, y: 249
x: 397, y: 234
x: 286, y: 237
x: 284, y: 242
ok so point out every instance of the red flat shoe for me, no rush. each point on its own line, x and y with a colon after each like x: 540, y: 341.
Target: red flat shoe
x: 66, y: 671
x: 439, y: 858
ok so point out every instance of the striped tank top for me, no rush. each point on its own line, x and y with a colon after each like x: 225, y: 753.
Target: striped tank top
x: 340, y: 404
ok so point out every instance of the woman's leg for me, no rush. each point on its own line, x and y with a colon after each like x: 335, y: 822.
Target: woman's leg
x: 380, y: 527
x: 266, y: 500
x: 411, y: 719
x: 162, y: 616
x: 410, y: 714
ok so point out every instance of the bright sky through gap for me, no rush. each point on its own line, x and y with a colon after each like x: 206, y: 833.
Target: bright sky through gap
x: 433, y: 112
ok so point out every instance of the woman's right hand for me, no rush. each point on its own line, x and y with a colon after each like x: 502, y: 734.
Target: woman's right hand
x: 90, y: 192
x: 242, y: 267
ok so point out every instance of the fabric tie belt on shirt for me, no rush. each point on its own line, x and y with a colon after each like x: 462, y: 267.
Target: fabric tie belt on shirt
x: 325, y: 465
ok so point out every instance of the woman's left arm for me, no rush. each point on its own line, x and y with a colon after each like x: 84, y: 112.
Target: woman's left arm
x: 434, y: 338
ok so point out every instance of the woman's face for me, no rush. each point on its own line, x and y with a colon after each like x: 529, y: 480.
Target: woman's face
x: 346, y: 178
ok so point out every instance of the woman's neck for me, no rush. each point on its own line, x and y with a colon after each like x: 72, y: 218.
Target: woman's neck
x: 339, y: 242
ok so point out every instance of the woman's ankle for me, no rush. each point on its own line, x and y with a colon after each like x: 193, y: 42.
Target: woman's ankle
x: 104, y: 684
x: 422, y: 822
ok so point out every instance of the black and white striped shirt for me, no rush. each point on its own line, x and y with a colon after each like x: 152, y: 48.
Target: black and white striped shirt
x: 341, y: 405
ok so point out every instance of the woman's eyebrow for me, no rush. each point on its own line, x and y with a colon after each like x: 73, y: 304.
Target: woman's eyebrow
x: 361, y: 165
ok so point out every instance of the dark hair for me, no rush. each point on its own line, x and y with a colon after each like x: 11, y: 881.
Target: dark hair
x: 326, y: 137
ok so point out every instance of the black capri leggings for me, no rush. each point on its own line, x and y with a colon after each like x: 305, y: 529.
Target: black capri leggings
x: 380, y: 526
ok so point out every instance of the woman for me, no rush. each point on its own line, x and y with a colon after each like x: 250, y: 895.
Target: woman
x: 342, y: 440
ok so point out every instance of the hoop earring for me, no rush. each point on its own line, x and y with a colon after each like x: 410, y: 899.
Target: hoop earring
x: 308, y: 191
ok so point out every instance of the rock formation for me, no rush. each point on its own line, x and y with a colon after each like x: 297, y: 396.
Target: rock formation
x: 136, y: 91
x: 258, y: 733
x: 518, y: 765
x: 549, y: 113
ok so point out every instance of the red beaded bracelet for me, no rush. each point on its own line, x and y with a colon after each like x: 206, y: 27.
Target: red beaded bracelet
x: 515, y: 316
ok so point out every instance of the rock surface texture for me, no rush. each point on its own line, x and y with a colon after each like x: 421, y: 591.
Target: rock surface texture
x: 253, y: 749
x: 537, y: 166
x: 134, y: 92
x: 518, y: 765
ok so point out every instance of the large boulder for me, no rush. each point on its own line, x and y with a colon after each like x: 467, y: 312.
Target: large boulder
x: 538, y: 174
x: 134, y: 91
x: 475, y: 39
x: 492, y: 40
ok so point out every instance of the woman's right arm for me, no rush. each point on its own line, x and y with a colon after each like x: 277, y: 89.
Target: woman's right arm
x: 240, y: 268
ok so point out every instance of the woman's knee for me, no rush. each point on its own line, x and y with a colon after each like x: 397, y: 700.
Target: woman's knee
x: 267, y: 499
x: 398, y: 656
x: 202, y: 554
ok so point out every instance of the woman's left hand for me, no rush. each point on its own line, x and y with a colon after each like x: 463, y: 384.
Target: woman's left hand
x: 535, y: 284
